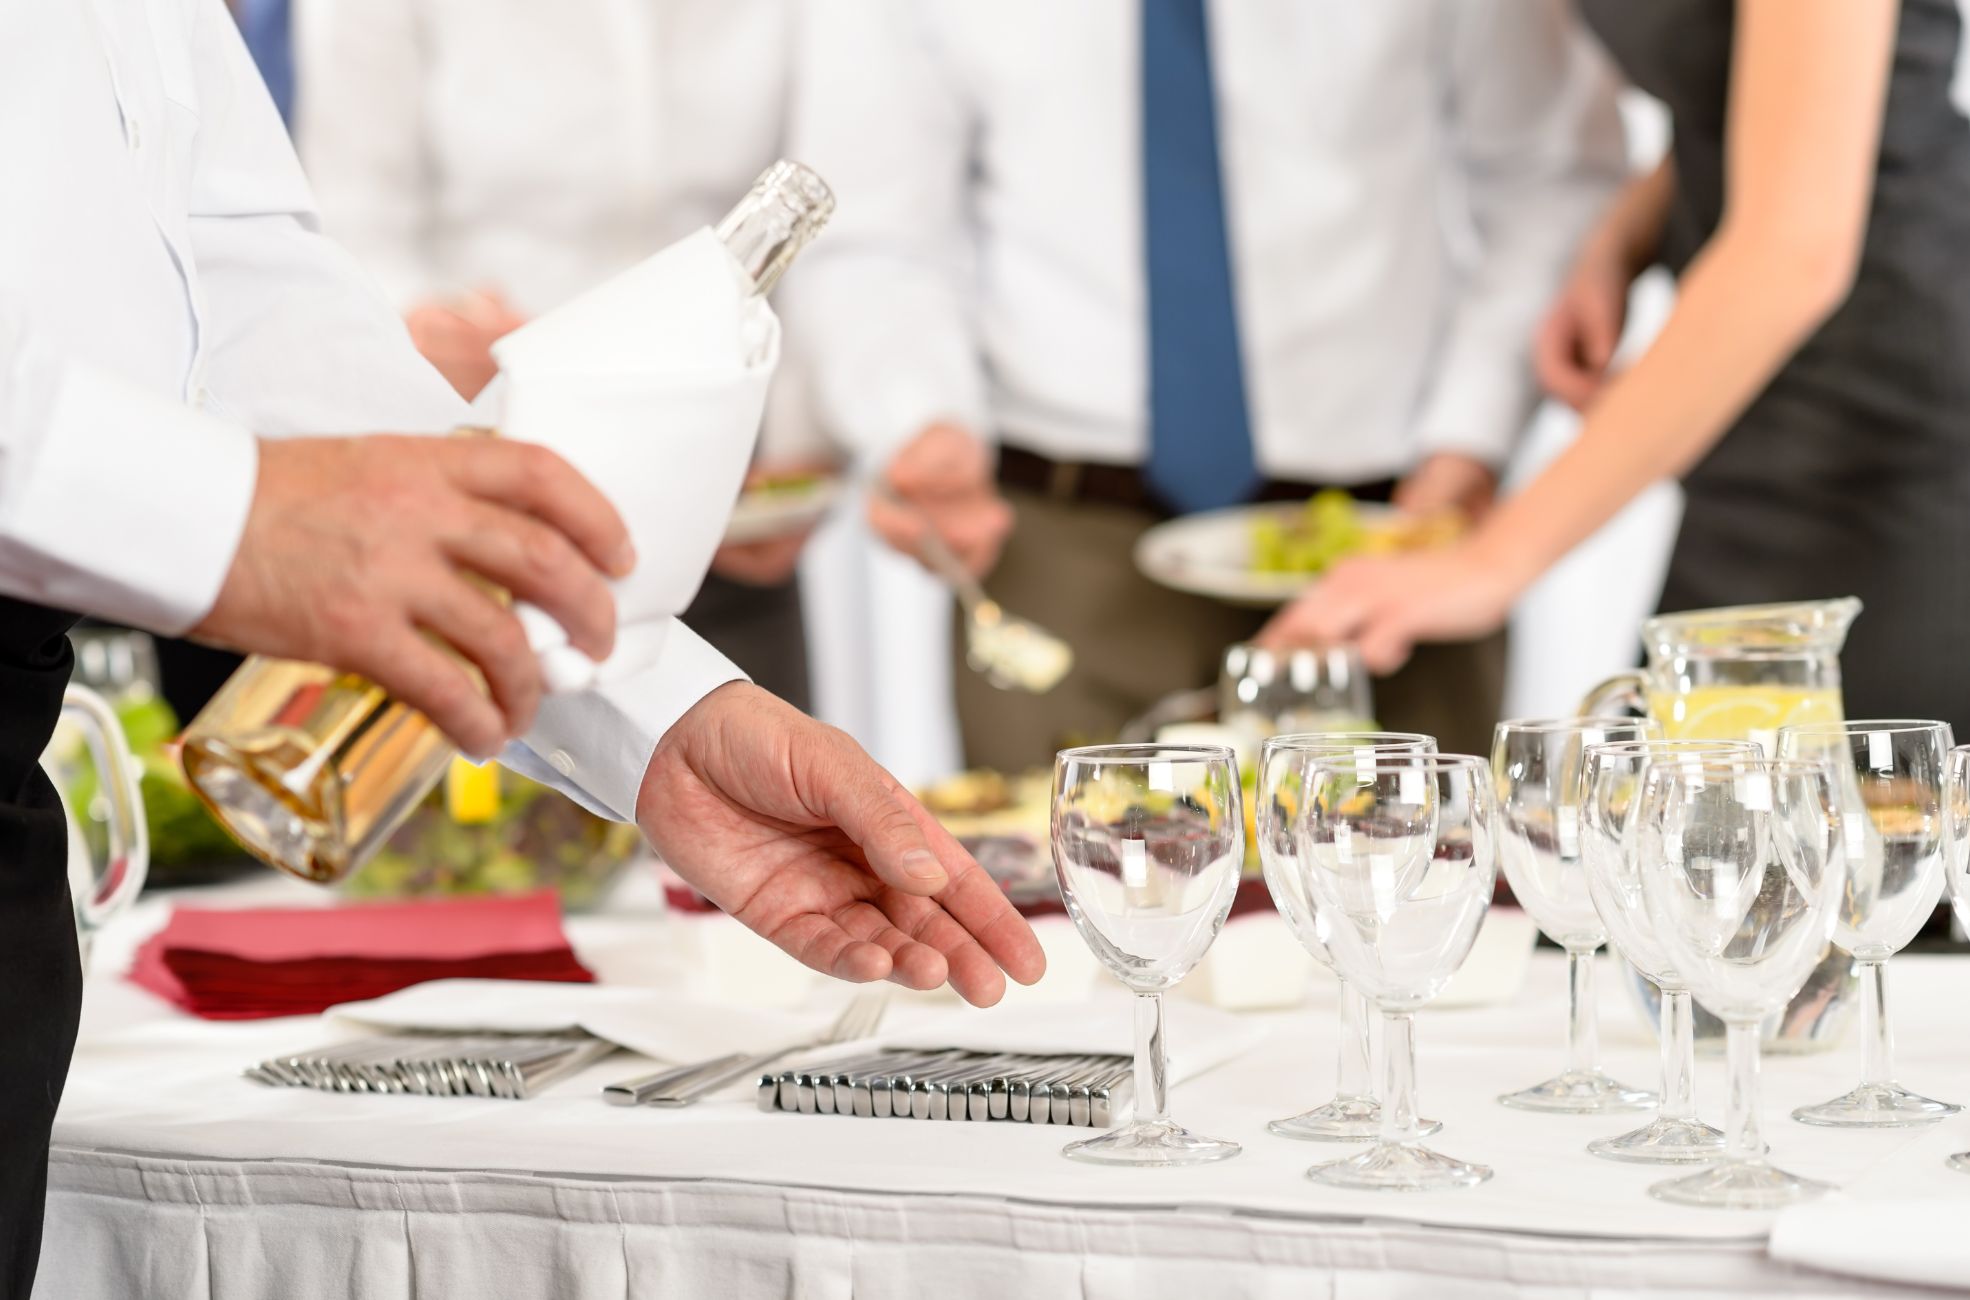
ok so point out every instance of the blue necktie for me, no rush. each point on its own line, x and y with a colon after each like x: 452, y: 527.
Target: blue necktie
x: 1200, y: 436
x: 267, y: 27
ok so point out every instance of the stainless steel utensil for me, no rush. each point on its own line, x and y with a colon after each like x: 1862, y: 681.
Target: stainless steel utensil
x: 954, y: 1084
x: 509, y: 1066
x: 858, y: 1020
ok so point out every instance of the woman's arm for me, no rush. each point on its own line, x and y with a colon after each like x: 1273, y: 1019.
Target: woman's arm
x: 1808, y: 82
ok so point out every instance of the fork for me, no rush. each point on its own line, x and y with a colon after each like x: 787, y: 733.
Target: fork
x: 858, y: 1020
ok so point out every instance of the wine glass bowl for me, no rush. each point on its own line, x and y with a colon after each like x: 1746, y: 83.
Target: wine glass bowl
x: 1279, y: 798
x: 1400, y: 856
x: 1746, y: 870
x: 1539, y: 767
x: 1148, y: 842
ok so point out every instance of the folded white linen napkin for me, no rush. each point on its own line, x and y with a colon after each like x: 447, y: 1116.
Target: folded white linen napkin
x: 1903, y: 1239
x: 1200, y: 1038
x: 652, y: 385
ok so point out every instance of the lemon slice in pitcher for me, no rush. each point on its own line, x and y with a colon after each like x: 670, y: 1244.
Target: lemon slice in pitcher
x: 1741, y: 712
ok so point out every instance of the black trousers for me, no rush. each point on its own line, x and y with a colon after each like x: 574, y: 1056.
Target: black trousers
x: 40, y: 975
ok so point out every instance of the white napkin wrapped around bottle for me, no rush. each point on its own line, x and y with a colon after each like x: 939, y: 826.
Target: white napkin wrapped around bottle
x: 652, y: 385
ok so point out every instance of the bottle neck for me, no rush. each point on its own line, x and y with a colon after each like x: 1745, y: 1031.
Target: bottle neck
x: 784, y: 210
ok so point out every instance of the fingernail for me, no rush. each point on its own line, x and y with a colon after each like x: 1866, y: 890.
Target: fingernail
x: 922, y: 864
x: 625, y: 560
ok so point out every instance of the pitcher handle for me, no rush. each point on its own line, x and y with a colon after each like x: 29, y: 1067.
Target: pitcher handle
x: 116, y: 885
x: 1622, y: 691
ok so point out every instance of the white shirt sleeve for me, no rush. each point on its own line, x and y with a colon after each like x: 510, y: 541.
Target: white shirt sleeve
x: 879, y: 306
x: 1536, y: 137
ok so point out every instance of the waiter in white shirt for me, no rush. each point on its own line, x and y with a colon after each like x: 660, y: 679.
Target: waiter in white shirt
x: 617, y: 127
x: 168, y: 314
x: 1168, y: 256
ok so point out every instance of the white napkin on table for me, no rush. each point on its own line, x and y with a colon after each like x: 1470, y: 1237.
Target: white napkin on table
x: 1900, y: 1240
x: 652, y: 385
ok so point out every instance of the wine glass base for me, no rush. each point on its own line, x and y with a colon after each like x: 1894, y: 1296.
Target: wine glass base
x: 1399, y: 1167
x: 1959, y: 1162
x: 1739, y: 1185
x: 1579, y: 1092
x: 1662, y: 1142
x: 1153, y: 1143
x: 1876, y: 1105
x: 1344, y: 1119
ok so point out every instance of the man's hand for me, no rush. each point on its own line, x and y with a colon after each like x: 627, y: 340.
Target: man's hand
x: 944, y: 477
x: 456, y: 336
x: 760, y: 564
x: 362, y: 553
x: 1448, y: 481
x: 1575, y: 343
x: 790, y: 827
x: 1385, y: 605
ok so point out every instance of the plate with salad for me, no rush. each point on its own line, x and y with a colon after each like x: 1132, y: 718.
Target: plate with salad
x: 1264, y: 555
x: 775, y: 505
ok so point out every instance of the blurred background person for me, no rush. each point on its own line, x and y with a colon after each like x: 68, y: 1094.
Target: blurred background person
x: 1165, y: 257
x: 1811, y: 384
x: 489, y: 161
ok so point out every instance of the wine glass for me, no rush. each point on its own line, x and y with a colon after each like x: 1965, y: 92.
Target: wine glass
x: 1609, y: 843
x: 1352, y: 1116
x: 1889, y: 775
x: 1956, y: 865
x: 1148, y: 841
x: 1538, y: 767
x: 1743, y: 876
x: 1400, y: 855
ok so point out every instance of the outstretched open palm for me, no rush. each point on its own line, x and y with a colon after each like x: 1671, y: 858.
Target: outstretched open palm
x: 791, y: 827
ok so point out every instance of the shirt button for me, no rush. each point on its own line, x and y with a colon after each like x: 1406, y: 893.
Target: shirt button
x: 133, y: 134
x: 198, y: 396
x: 562, y: 761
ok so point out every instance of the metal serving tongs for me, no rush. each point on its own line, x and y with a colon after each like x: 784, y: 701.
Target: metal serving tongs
x: 1013, y: 653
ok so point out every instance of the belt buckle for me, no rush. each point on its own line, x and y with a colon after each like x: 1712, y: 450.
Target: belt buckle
x: 1064, y: 480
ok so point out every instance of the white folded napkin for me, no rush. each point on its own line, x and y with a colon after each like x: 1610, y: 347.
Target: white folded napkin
x: 1901, y: 1240
x: 1200, y: 1038
x: 652, y: 385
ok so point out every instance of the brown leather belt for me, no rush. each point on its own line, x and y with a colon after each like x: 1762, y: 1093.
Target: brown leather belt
x: 1125, y: 486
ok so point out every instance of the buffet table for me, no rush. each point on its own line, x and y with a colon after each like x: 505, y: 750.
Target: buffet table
x: 173, y: 1176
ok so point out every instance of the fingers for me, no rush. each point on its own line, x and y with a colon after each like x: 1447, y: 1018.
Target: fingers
x: 974, y: 527
x: 526, y: 477
x: 433, y: 683
x: 976, y: 903
x: 820, y: 943
x: 540, y: 565
x: 1556, y: 359
x: 487, y: 634
x: 899, y: 525
x: 912, y: 964
x: 847, y: 787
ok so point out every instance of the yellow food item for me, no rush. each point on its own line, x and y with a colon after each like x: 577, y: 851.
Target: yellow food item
x: 1741, y: 712
x: 1330, y: 528
x: 471, y: 792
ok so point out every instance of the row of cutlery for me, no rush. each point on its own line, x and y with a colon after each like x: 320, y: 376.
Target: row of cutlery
x: 510, y: 1066
x: 952, y: 1084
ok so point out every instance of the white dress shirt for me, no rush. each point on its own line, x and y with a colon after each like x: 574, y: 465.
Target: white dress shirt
x: 1405, y: 183
x: 165, y: 296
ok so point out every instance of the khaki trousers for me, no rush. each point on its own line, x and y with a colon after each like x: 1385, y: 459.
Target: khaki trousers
x: 1069, y: 566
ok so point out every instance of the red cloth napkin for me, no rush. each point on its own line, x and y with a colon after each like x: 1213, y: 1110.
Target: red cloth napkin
x: 288, y: 961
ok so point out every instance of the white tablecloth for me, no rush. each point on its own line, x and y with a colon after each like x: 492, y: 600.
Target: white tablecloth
x: 174, y: 1177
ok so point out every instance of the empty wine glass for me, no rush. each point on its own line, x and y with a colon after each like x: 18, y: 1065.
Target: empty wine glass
x: 1538, y: 767
x: 1613, y: 781
x: 1352, y: 1116
x: 1956, y: 863
x: 1743, y: 874
x: 1148, y: 841
x: 1889, y: 775
x: 1400, y: 855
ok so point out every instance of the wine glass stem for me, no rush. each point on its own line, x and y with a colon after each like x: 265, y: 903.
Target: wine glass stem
x: 1678, y: 1056
x: 1355, y: 1077
x: 1398, y: 1078
x: 1878, y: 1041
x: 1152, y: 1074
x: 1583, y: 1046
x: 1742, y: 1141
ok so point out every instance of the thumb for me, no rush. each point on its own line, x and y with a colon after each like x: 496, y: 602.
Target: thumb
x: 856, y: 795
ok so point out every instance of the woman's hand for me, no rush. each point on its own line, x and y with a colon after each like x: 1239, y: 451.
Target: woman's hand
x: 1576, y: 340
x: 1386, y: 604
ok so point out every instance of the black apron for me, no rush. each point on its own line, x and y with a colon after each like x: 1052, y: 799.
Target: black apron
x: 40, y: 975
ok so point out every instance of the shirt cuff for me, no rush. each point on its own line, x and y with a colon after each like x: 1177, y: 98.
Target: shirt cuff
x: 1478, y: 407
x: 150, y: 544
x: 595, y: 745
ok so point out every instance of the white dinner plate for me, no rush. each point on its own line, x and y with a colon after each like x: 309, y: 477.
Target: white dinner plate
x: 764, y: 516
x: 1210, y: 554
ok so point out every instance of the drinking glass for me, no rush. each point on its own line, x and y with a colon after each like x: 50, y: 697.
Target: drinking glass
x: 1352, y: 1116
x: 1262, y: 692
x: 1746, y: 872
x: 1609, y: 843
x: 1148, y: 841
x: 1400, y: 855
x: 1890, y: 776
x: 1537, y: 765
x: 1956, y: 804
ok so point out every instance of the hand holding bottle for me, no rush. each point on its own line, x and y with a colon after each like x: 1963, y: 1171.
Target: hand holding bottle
x: 357, y: 552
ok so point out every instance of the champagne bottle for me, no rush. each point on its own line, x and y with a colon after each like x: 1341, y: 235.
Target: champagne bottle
x: 311, y: 768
